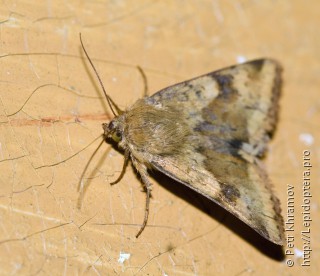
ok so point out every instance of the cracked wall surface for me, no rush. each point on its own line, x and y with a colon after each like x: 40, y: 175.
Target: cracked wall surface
x: 52, y: 108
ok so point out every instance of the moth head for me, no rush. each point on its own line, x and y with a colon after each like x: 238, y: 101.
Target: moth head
x: 113, y: 130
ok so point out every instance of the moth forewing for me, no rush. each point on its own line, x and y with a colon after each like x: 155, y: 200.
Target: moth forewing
x: 230, y: 117
x: 208, y: 133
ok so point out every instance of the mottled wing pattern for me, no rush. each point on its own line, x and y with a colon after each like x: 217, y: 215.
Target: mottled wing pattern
x: 231, y: 114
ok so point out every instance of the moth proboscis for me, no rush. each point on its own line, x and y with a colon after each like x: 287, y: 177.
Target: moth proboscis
x: 208, y: 133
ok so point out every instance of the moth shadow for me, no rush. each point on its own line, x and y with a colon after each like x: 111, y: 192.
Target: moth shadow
x: 220, y: 214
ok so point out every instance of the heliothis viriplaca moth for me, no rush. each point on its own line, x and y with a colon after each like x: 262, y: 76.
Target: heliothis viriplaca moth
x: 209, y: 134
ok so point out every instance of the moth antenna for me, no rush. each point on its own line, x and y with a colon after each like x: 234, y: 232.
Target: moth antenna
x: 145, y: 81
x: 81, y: 188
x: 110, y: 101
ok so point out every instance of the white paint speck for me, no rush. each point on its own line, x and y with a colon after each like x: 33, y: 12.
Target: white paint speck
x: 12, y: 22
x: 298, y: 253
x: 123, y: 257
x: 306, y: 138
x: 241, y: 59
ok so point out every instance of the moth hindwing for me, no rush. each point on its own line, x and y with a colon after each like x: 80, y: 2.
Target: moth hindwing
x: 209, y: 134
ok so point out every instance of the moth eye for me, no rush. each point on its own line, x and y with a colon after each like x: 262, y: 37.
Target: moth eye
x: 116, y: 136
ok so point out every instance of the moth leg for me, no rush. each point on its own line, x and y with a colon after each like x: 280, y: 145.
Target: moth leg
x: 144, y: 77
x: 125, y: 163
x: 142, y: 170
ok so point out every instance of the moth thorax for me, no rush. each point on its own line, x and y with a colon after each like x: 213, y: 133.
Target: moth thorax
x: 155, y: 130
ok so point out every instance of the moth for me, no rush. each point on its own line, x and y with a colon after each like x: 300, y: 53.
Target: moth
x: 208, y: 133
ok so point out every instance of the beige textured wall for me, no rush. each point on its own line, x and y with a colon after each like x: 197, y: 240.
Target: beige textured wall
x: 50, y: 108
